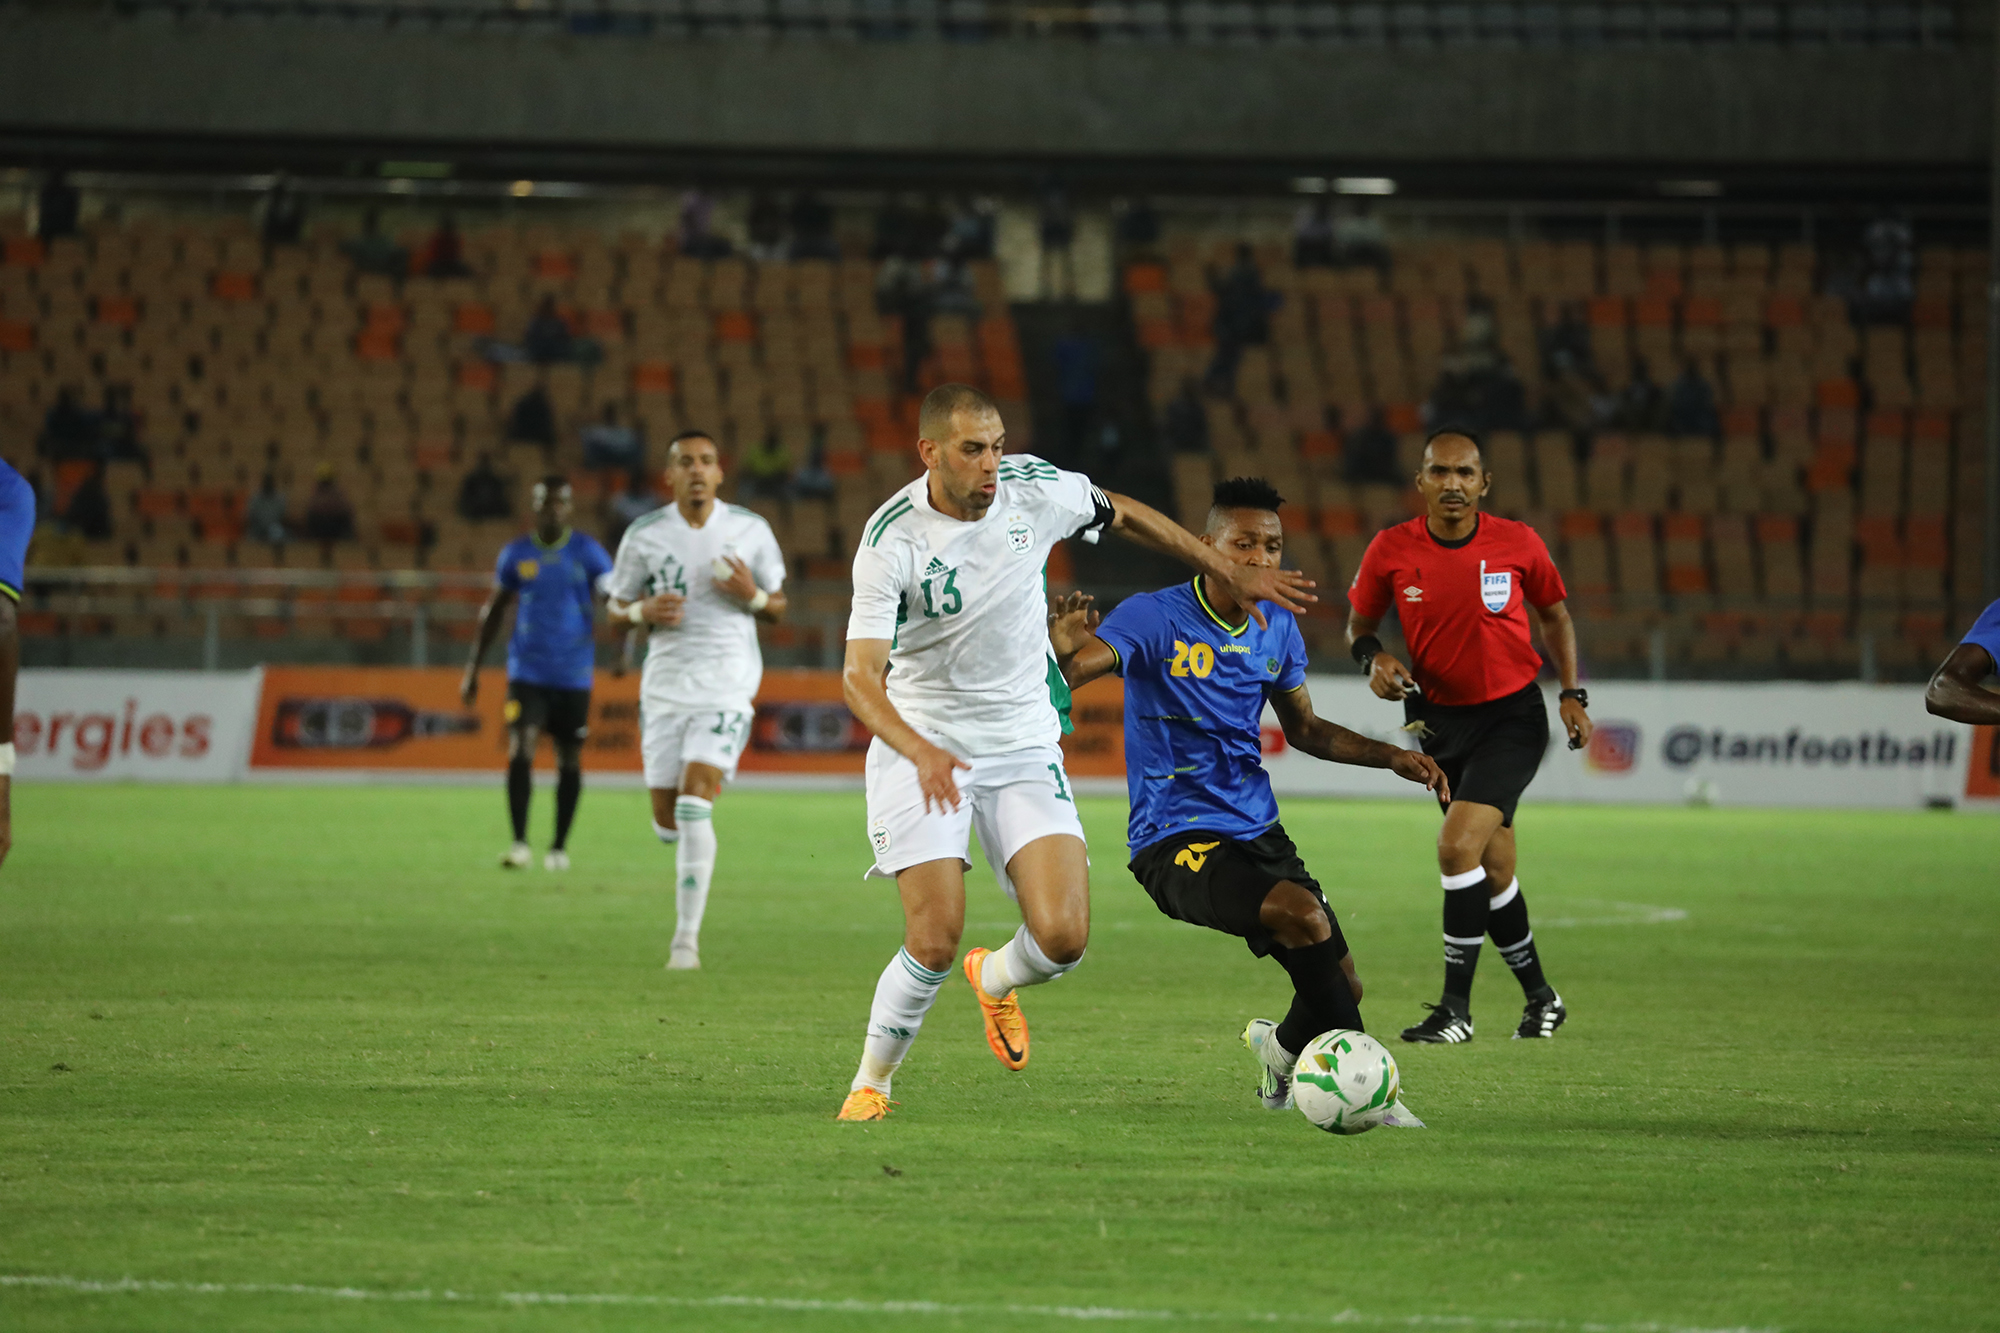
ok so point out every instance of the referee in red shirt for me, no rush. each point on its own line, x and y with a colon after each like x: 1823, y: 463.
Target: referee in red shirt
x: 1462, y: 583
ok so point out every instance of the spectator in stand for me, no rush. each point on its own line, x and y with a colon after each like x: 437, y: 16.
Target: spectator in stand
x: 1691, y: 404
x: 484, y: 493
x: 1076, y: 358
x: 1242, y: 318
x: 812, y: 228
x: 264, y: 517
x: 57, y: 207
x: 284, y: 212
x: 610, y: 443
x: 767, y: 469
x: 1138, y: 228
x: 767, y: 228
x: 1888, y: 276
x: 372, y: 252
x: 631, y: 504
x: 533, y: 419
x: 1185, y: 423
x: 1058, y: 234
x: 904, y: 290
x: 1312, y: 235
x: 69, y: 430
x: 444, y: 253
x: 1641, y: 407
x: 814, y: 481
x: 971, y: 234
x: 548, y: 338
x: 698, y: 236
x: 895, y: 227
x: 89, y: 511
x: 329, y: 513
x: 1358, y: 237
x: 1565, y: 344
x: 1369, y: 453
x: 1476, y: 386
x: 118, y: 425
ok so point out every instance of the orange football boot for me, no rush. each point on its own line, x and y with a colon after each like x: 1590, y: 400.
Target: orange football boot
x: 1006, y: 1026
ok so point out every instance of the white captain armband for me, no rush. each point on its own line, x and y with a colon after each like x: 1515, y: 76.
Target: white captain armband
x: 7, y: 760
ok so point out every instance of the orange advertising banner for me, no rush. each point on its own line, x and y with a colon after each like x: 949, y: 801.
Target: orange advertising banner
x: 1982, y: 775
x: 403, y: 719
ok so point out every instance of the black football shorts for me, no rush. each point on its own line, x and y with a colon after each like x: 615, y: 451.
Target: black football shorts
x: 1207, y: 879
x: 1489, y: 752
x: 562, y: 715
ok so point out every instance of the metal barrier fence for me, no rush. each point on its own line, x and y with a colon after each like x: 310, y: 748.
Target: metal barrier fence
x: 1424, y: 23
x: 213, y: 618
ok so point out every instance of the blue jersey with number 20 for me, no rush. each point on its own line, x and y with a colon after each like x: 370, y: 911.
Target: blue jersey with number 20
x: 1195, y: 688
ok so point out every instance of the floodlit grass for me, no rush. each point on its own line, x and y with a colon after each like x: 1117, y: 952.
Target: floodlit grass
x: 312, y: 1036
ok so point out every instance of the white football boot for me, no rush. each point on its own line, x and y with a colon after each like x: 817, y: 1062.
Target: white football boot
x: 1274, y: 1080
x: 685, y: 956
x: 519, y: 857
x: 555, y: 859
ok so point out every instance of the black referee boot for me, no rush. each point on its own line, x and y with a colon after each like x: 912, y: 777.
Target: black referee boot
x: 1541, y: 1018
x: 1443, y: 1027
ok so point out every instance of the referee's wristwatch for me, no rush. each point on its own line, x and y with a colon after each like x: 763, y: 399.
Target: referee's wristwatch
x: 1581, y: 696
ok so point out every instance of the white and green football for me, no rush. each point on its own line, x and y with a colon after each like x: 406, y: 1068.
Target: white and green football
x: 1345, y: 1082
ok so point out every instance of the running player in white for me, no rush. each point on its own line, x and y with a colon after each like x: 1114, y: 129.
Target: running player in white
x: 701, y: 574
x: 948, y: 663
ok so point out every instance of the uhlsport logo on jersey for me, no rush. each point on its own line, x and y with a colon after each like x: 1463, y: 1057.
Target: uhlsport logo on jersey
x: 1020, y: 537
x: 1613, y: 748
x: 1496, y: 589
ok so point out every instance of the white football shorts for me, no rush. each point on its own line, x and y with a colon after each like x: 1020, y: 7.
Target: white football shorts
x: 670, y: 742
x: 1009, y: 799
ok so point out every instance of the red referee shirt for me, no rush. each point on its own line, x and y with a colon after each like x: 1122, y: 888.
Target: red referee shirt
x: 1464, y: 606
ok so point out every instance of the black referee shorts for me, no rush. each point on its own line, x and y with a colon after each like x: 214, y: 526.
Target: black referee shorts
x: 1489, y: 752
x: 1210, y: 880
x: 561, y: 715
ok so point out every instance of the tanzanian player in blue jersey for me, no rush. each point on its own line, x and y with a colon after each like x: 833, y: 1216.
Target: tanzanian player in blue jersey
x: 557, y: 575
x: 1956, y: 690
x: 1204, y: 831
x: 17, y: 525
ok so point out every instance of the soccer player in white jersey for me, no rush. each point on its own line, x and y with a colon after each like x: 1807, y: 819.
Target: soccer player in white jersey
x: 701, y: 574
x: 948, y: 664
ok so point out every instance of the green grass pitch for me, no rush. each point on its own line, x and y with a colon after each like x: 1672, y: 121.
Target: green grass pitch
x: 267, y: 1036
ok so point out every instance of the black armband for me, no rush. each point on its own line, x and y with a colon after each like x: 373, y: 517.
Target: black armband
x: 1364, y: 651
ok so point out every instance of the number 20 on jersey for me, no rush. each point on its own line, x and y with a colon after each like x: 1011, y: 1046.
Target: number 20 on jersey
x: 1192, y: 659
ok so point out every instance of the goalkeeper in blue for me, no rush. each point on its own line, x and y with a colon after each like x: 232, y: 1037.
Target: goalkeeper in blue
x: 1204, y: 832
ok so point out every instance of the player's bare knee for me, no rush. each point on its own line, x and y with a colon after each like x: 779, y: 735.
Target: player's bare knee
x: 1458, y: 853
x: 1064, y: 945
x: 934, y: 949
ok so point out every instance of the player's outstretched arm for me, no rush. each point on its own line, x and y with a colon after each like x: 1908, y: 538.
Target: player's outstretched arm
x: 1148, y: 527
x: 1387, y: 676
x: 863, y: 685
x: 1080, y: 655
x: 1955, y: 690
x: 1309, y: 733
x: 1559, y: 636
x: 490, y: 617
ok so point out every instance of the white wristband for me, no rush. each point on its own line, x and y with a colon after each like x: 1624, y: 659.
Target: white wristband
x: 636, y: 613
x: 760, y: 601
x: 7, y: 760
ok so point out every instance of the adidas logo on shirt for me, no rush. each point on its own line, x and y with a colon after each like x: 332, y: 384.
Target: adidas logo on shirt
x: 934, y: 568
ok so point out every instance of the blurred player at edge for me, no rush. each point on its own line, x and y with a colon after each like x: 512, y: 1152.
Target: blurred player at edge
x: 1956, y: 690
x: 17, y: 525
x: 948, y: 664
x: 556, y: 573
x: 1461, y: 583
x: 700, y: 575
x: 1204, y: 832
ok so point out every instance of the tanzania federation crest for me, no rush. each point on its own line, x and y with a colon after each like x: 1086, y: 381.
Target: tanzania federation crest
x: 1496, y: 590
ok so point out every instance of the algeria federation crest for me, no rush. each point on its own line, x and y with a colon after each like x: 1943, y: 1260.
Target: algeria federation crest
x: 1020, y: 536
x: 1496, y: 589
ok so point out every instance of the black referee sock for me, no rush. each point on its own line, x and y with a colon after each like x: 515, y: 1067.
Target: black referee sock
x: 1507, y: 923
x: 569, y: 789
x: 520, y: 785
x: 1465, y: 910
x: 1321, y: 998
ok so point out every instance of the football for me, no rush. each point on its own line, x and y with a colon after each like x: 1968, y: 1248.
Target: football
x: 1345, y: 1082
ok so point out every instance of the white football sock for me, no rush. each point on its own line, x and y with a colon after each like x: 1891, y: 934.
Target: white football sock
x: 902, y: 997
x: 666, y: 835
x: 694, y: 863
x: 1019, y: 962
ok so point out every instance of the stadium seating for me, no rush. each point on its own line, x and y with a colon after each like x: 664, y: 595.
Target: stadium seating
x: 1840, y: 498
x: 241, y: 360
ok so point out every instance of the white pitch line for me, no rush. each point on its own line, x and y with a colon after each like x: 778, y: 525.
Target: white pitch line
x: 1630, y: 914
x: 91, y: 1286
